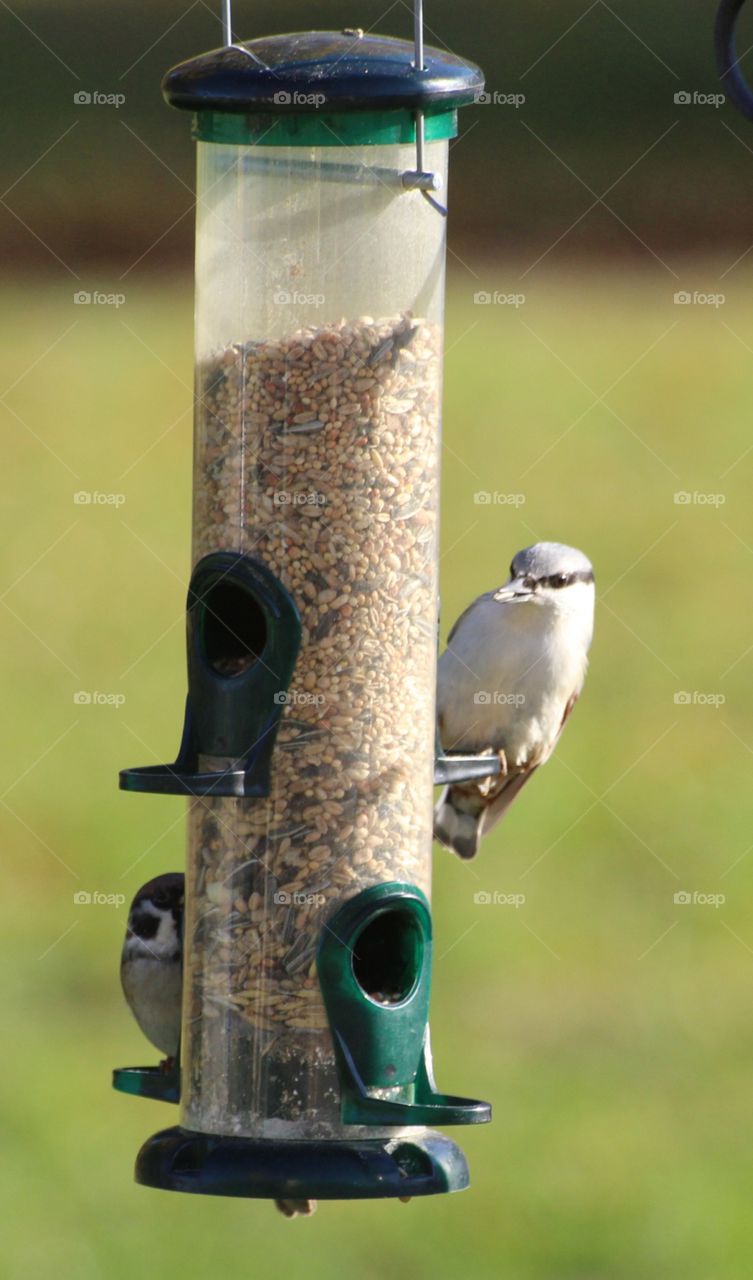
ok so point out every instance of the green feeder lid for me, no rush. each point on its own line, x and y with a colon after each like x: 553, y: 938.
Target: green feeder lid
x: 322, y: 71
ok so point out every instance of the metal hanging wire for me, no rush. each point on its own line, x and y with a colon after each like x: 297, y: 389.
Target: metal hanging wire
x: 227, y: 21
x: 421, y: 180
x: 227, y: 33
x: 418, y: 179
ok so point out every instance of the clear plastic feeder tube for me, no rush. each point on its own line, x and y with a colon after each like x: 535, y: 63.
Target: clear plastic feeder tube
x: 320, y: 289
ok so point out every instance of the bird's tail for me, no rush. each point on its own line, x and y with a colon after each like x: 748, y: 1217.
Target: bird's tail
x: 457, y: 821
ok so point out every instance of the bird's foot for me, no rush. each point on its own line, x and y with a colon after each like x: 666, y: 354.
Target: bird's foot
x: 292, y: 1208
x: 487, y: 785
x: 167, y: 1066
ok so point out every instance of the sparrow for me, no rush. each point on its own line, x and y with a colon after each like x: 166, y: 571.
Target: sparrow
x: 508, y: 680
x: 151, y: 974
x: 151, y: 964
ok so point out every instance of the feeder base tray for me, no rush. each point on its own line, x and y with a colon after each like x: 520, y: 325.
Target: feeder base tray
x: 208, y: 1164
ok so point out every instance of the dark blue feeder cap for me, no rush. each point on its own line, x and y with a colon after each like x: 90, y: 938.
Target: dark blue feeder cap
x: 338, y: 71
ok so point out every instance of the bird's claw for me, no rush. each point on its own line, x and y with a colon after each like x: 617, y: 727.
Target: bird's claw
x: 487, y: 785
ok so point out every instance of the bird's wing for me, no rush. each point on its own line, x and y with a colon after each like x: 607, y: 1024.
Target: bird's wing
x: 513, y: 785
x: 466, y: 613
x: 498, y: 807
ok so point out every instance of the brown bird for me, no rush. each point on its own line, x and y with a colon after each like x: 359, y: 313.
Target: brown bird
x: 151, y: 974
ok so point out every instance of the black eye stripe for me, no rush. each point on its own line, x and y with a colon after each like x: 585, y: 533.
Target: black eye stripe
x: 554, y: 580
x: 557, y: 580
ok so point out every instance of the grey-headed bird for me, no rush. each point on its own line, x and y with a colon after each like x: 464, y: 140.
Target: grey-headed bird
x: 510, y: 676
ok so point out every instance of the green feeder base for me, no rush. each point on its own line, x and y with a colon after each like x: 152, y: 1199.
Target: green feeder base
x: 373, y: 1169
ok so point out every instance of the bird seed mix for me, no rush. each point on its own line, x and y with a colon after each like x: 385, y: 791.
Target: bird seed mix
x: 317, y: 454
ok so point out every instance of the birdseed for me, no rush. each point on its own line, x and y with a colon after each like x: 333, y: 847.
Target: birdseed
x: 318, y: 455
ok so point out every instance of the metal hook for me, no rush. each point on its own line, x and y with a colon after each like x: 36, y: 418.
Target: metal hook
x: 227, y: 34
x: 727, y: 60
x: 421, y: 180
x: 414, y: 180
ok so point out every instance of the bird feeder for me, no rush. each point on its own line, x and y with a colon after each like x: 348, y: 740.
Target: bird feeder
x: 308, y: 750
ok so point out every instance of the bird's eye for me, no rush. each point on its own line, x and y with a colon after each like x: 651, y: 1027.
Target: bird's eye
x: 558, y: 579
x: 529, y: 583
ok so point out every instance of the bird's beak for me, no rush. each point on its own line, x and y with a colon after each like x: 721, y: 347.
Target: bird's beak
x: 513, y: 590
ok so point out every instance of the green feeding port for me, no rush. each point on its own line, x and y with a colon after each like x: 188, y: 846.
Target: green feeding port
x: 157, y: 1083
x: 232, y: 628
x: 243, y: 638
x: 388, y: 955
x: 244, y: 633
x: 374, y: 965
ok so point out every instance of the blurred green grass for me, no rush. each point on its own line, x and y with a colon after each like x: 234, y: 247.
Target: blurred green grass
x: 611, y: 1029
